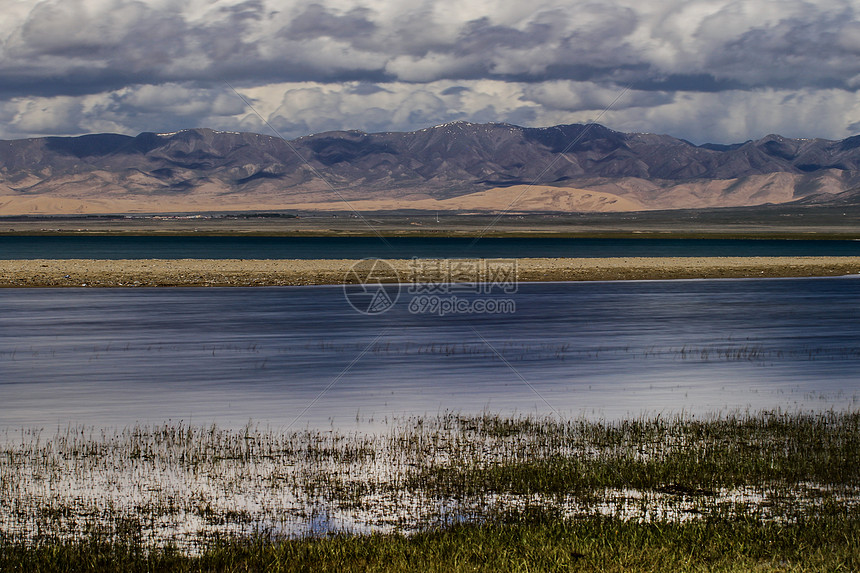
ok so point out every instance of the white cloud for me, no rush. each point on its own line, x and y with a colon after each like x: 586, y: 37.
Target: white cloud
x: 735, y: 116
x: 46, y: 116
x: 576, y: 96
x: 297, y: 109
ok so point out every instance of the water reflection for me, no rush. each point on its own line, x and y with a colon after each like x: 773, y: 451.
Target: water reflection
x: 113, y: 356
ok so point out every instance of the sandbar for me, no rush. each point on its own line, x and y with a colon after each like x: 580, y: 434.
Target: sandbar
x: 243, y: 272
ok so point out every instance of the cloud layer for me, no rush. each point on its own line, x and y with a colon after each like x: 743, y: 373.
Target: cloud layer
x: 706, y: 70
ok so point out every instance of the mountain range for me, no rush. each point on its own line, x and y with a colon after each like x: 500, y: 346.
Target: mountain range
x: 454, y: 167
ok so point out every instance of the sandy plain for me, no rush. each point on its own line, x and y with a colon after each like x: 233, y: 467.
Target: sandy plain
x: 238, y: 273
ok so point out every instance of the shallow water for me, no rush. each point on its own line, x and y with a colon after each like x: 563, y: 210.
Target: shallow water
x: 301, y: 356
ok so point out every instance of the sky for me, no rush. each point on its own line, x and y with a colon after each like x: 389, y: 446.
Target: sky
x: 703, y: 70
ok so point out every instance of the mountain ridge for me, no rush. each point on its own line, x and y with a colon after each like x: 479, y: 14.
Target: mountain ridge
x: 206, y: 169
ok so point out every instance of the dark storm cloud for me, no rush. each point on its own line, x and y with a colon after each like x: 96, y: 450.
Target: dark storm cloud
x: 316, y: 22
x: 795, y: 53
x: 63, y: 46
x: 481, y: 36
x: 365, y: 88
x: 393, y: 55
x: 685, y: 83
x: 129, y: 35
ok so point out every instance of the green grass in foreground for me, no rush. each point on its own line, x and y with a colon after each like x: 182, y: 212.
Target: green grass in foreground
x: 765, y: 491
x: 688, y: 456
x: 598, y: 544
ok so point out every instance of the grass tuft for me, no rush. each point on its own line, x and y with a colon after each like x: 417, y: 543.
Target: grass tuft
x: 756, y: 491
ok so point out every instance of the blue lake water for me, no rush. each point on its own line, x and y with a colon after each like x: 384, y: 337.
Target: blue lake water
x: 122, y: 247
x: 301, y: 356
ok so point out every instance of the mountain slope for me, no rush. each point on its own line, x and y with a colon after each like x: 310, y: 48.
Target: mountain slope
x: 203, y: 169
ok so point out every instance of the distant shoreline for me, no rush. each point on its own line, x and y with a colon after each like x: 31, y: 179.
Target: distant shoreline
x: 764, y: 222
x: 244, y: 273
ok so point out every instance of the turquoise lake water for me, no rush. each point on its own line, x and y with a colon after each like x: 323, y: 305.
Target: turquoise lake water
x: 54, y: 247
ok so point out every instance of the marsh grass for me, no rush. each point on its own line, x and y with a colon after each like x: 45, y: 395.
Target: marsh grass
x: 594, y: 544
x: 677, y: 456
x: 450, y: 491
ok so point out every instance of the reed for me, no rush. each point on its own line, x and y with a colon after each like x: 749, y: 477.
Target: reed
x: 191, y: 496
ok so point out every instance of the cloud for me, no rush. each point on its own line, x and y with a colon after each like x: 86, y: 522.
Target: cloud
x: 297, y: 109
x: 61, y: 115
x: 128, y: 110
x: 736, y: 116
x: 577, y: 96
x: 317, y: 22
x: 68, y: 65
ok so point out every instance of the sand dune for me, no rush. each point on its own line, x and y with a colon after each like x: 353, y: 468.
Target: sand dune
x: 516, y: 198
x: 598, y: 195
